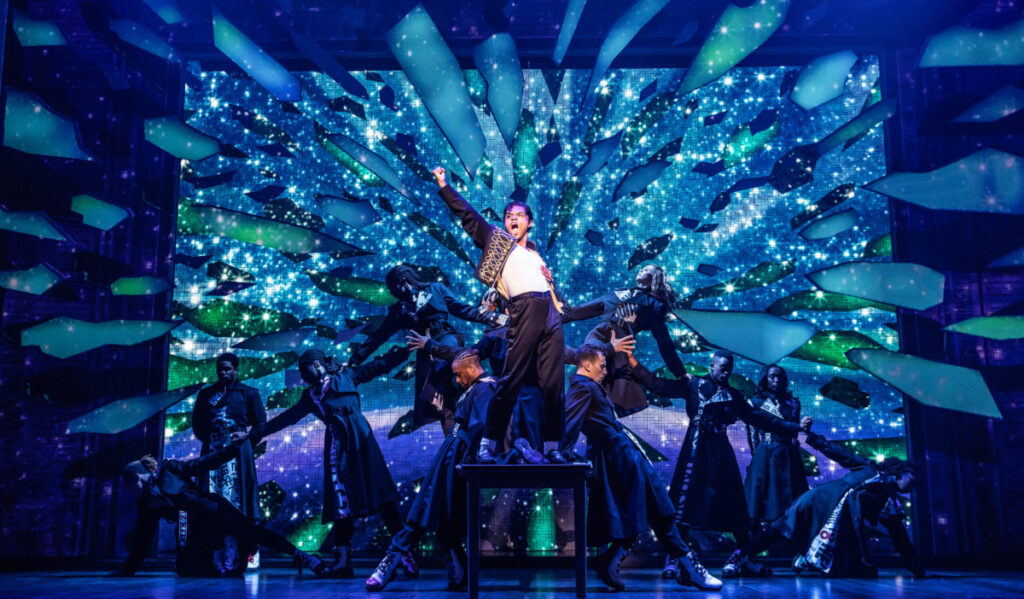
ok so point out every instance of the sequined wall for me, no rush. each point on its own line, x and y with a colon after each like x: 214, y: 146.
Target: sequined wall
x: 700, y: 208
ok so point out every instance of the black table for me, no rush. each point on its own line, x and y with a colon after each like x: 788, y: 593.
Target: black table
x: 525, y: 476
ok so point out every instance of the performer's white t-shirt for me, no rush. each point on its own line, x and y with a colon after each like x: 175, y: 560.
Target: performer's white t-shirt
x: 522, y: 274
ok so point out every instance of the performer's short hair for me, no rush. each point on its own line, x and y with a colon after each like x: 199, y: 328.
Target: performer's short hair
x: 397, y: 276
x: 588, y: 353
x: 520, y: 204
x: 467, y: 354
x: 133, y: 470
x: 228, y: 357
x: 723, y: 354
x: 896, y: 467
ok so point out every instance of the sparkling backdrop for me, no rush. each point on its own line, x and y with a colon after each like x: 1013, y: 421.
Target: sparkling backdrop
x: 284, y: 147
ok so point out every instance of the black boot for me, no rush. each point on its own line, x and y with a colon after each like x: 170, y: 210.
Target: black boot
x: 607, y: 565
x: 309, y: 561
x: 342, y: 567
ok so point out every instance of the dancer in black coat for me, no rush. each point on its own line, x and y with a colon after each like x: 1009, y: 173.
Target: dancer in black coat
x: 440, y: 504
x: 829, y: 525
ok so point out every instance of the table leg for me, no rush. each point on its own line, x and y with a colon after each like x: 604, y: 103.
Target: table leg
x: 579, y: 508
x: 473, y: 536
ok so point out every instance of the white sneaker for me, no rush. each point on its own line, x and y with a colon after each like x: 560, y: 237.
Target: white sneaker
x: 384, y: 572
x: 254, y: 561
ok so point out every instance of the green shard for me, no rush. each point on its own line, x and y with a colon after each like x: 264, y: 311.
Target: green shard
x: 877, y: 449
x: 364, y: 290
x: 843, y: 390
x: 176, y: 423
x: 743, y: 145
x: 139, y: 286
x: 310, y: 535
x: 36, y: 280
x: 567, y: 202
x: 762, y: 275
x: 829, y: 201
x: 810, y: 462
x: 123, y: 414
x: 525, y: 150
x: 649, y: 250
x: 960, y: 46
x: 261, y: 125
x: 642, y: 122
x: 596, y: 121
x: 173, y: 136
x: 485, y: 172
x: 931, y: 383
x: 476, y: 86
x: 35, y: 33
x: 285, y: 398
x: 225, y: 318
x: 822, y: 301
x: 403, y: 426
x: 830, y: 347
x: 271, y: 498
x: 669, y: 151
x: 879, y: 247
x: 287, y: 211
x: 182, y: 370
x: 991, y: 327
x: 364, y: 174
x: 898, y: 283
x: 442, y: 235
x: 540, y: 525
x: 31, y: 127
x: 822, y: 80
x: 254, y: 60
x: 144, y: 39
x: 97, y: 213
x: 737, y: 34
x: 649, y: 450
x: 407, y: 159
x: 759, y: 337
x: 167, y: 10
x: 64, y: 337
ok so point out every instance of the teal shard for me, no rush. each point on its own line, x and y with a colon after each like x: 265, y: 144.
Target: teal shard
x: 440, y: 234
x: 1002, y: 103
x: 144, y: 39
x: 567, y: 201
x: 621, y: 33
x: 167, y: 10
x: 637, y: 180
x: 647, y: 118
x: 253, y: 60
x: 830, y: 226
x: 139, y: 286
x: 276, y: 342
x: 858, y: 126
x: 172, y: 135
x: 122, y: 414
x: 325, y: 61
x: 897, y: 283
x: 370, y: 160
x: 930, y: 383
x: 822, y: 80
x: 991, y: 327
x: 573, y: 12
x: 600, y: 152
x: 354, y: 212
x: 64, y: 337
x: 437, y: 78
x: 36, y: 280
x: 987, y: 181
x: 31, y: 127
x: 35, y: 33
x: 525, y: 151
x: 760, y: 337
x: 498, y: 62
x: 735, y: 36
x: 97, y: 213
x: 36, y: 224
x: 1010, y: 259
x: 961, y: 46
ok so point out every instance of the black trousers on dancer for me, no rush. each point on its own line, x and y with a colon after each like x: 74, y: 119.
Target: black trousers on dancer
x: 535, y: 329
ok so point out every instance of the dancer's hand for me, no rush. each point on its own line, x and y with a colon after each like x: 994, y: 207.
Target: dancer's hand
x: 624, y: 345
x: 439, y: 174
x: 805, y: 424
x: 547, y: 274
x: 239, y: 436
x: 632, y: 360
x: 416, y: 341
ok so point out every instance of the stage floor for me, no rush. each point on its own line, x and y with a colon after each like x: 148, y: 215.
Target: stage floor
x: 280, y: 583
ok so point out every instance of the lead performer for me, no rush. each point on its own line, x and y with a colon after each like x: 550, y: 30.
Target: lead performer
x: 511, y: 265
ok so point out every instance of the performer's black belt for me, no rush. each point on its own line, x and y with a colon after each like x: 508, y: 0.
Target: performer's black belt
x: 530, y: 294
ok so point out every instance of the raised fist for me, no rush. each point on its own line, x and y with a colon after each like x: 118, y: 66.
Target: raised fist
x: 439, y: 174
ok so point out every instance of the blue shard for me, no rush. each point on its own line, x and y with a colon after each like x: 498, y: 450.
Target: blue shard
x: 254, y: 60
x: 167, y: 10
x: 738, y: 32
x: 354, y: 212
x: 437, y: 78
x: 709, y: 168
x: 31, y: 127
x: 706, y: 228
x: 386, y: 95
x: 708, y: 269
x: 600, y: 152
x: 143, y: 38
x: 406, y: 143
x: 64, y: 337
x: 36, y: 224
x: 621, y: 33
x: 172, y: 135
x: 686, y: 33
x: 961, y: 46
x: 594, y: 237
x: 36, y: 280
x: 764, y: 119
x: 211, y: 180
x: 745, y: 184
x: 328, y: 65
x: 266, y: 193
x: 757, y: 336
x: 347, y: 104
x: 830, y: 226
x: 648, y: 91
x: 277, y: 150
x: 639, y: 178
x: 720, y: 202
x: 1000, y: 328
x: 896, y: 283
x: 689, y: 223
x: 549, y: 152
x: 1009, y: 260
x: 97, y: 213
x: 987, y: 181
x: 930, y: 383
x: 498, y: 62
x: 1005, y: 101
x: 122, y: 414
x: 573, y: 11
x: 192, y: 261
x: 822, y: 80
x: 370, y: 160
x: 714, y: 119
x: 276, y: 342
x: 35, y: 33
